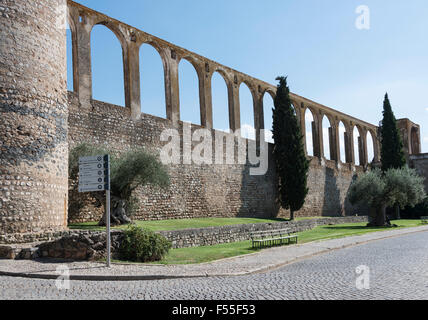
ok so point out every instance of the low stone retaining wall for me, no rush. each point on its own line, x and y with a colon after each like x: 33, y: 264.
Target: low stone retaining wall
x: 90, y: 245
x: 226, y: 234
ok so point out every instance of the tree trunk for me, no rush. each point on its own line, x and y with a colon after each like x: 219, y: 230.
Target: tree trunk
x: 291, y: 215
x: 381, y: 216
x: 372, y: 216
x: 380, y: 220
x: 117, y: 213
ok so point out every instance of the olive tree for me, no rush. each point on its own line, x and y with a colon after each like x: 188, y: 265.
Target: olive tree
x: 402, y: 186
x: 128, y: 171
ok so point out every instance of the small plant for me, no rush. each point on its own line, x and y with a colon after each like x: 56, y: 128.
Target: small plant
x: 143, y: 245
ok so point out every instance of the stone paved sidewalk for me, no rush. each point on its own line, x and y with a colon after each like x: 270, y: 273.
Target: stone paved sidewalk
x: 243, y: 265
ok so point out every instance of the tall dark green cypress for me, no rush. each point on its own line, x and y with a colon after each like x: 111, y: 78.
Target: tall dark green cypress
x: 291, y: 163
x: 392, y: 152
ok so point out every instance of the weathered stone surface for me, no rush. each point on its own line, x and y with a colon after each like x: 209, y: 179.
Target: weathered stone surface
x: 80, y: 246
x: 33, y: 116
x: 420, y: 164
x: 39, y: 123
x: 199, y: 190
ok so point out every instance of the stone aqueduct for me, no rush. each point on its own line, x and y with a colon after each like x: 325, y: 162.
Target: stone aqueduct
x: 40, y: 121
x: 82, y: 20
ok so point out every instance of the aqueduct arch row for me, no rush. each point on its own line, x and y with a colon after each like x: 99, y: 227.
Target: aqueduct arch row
x: 82, y: 20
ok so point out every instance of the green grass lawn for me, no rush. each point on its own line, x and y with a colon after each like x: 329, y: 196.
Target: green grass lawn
x: 216, y: 252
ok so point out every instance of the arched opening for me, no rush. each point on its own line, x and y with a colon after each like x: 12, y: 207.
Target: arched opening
x: 326, y: 128
x: 107, y: 66
x: 370, y: 147
x: 220, y: 103
x: 357, y: 143
x: 152, y: 82
x: 190, y: 110
x: 342, y: 131
x: 309, y: 126
x: 415, y: 143
x: 268, y: 106
x: 70, y: 70
x: 247, y: 112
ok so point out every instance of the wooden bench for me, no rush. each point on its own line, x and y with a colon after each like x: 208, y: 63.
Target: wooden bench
x: 271, y: 238
x: 424, y: 220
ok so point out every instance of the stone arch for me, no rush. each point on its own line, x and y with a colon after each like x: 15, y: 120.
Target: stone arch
x: 268, y: 105
x: 189, y: 98
x: 71, y: 86
x: 159, y: 48
x: 113, y: 27
x: 72, y: 52
x: 220, y: 101
x: 194, y: 62
x: 247, y: 110
x: 357, y: 135
x: 342, y: 140
x: 152, y: 80
x: 269, y: 91
x: 370, y: 141
x: 415, y: 141
x: 223, y: 73
x: 107, y: 75
x: 310, y: 131
x: 328, y: 136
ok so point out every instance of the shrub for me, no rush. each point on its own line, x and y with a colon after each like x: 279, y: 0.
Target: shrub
x: 143, y: 245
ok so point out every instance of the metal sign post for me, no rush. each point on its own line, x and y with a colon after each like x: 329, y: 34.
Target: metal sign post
x: 94, y: 176
x: 107, y: 159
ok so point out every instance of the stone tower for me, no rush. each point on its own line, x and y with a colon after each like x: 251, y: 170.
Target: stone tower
x: 33, y: 116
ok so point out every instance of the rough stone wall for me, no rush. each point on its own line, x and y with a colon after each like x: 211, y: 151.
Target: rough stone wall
x: 198, y: 190
x: 33, y: 116
x: 227, y: 234
x: 420, y: 163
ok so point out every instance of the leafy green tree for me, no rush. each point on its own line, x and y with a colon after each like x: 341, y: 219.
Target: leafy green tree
x: 128, y: 171
x: 291, y: 163
x: 379, y: 190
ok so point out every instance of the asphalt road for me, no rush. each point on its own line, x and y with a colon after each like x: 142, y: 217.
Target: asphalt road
x: 395, y: 268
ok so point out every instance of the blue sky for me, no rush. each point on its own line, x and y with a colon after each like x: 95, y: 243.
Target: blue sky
x: 315, y: 43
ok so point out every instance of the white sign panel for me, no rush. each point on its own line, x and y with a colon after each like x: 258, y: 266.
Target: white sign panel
x: 93, y: 174
x: 83, y: 160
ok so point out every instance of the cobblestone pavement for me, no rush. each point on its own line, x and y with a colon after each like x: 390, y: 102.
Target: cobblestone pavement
x: 398, y: 270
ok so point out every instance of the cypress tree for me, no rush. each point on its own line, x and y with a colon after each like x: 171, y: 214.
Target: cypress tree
x: 392, y: 152
x: 291, y: 163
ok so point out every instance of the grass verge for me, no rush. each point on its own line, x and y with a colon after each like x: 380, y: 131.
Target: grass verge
x: 222, y: 251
